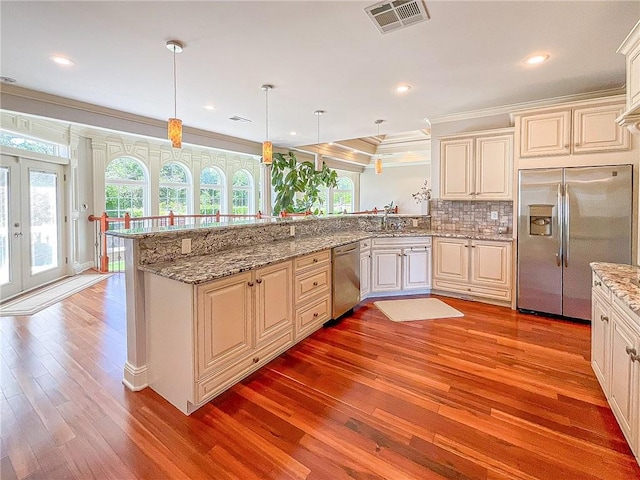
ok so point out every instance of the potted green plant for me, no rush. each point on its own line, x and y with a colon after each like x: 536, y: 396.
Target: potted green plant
x: 297, y: 184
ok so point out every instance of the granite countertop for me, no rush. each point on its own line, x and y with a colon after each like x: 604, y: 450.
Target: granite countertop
x: 205, y: 268
x: 618, y: 278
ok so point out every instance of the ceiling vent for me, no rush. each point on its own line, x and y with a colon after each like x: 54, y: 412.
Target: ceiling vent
x: 390, y: 16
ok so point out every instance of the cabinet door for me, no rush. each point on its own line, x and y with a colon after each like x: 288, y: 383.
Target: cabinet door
x: 451, y: 259
x: 633, y: 77
x: 595, y: 129
x: 274, y: 300
x: 386, y: 269
x: 365, y: 273
x: 494, y: 167
x: 416, y: 268
x: 224, y: 321
x: 545, y: 134
x: 600, y: 321
x: 491, y: 263
x: 622, y: 373
x: 456, y: 169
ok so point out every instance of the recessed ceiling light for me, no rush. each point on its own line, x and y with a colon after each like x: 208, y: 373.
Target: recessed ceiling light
x: 536, y: 59
x: 209, y: 107
x: 61, y: 60
x: 330, y: 143
x: 292, y: 133
x: 403, y: 88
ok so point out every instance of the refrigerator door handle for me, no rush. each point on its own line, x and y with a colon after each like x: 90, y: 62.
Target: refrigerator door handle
x: 560, y: 228
x: 566, y: 227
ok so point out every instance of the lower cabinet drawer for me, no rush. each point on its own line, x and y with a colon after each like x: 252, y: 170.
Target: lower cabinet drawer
x: 311, y: 284
x: 487, y: 292
x: 312, y: 316
x: 217, y: 383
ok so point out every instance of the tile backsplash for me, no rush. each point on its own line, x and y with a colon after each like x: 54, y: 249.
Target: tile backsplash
x: 471, y: 216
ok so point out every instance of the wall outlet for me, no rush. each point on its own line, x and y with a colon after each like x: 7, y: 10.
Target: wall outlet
x: 292, y: 230
x: 494, y: 215
x: 414, y: 222
x: 186, y: 245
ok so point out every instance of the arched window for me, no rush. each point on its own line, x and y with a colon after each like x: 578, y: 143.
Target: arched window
x: 211, y: 190
x: 242, y: 193
x: 343, y: 196
x: 126, y: 188
x: 175, y: 186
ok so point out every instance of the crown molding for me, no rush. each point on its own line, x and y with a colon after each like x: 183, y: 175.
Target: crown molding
x: 31, y: 102
x: 509, y: 109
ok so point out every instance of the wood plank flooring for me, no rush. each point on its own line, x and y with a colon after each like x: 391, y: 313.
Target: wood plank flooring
x: 491, y: 395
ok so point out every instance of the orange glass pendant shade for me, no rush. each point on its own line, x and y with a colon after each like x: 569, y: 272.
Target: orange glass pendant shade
x: 267, y: 153
x: 378, y: 166
x: 174, y: 128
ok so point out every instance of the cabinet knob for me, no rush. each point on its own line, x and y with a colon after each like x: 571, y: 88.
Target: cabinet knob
x: 604, y: 318
x: 315, y: 315
x: 632, y: 352
x: 250, y: 284
x: 635, y: 358
x: 259, y: 280
x: 473, y: 246
x: 315, y: 260
x: 597, y: 283
x: 256, y: 359
x: 315, y: 284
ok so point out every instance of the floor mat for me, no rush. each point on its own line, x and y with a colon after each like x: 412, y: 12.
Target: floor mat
x: 45, y: 297
x: 416, y: 309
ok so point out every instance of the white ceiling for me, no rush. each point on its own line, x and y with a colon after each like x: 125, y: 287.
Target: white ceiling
x: 318, y: 54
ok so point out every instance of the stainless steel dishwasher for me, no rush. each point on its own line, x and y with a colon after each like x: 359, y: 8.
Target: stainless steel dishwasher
x: 345, y: 284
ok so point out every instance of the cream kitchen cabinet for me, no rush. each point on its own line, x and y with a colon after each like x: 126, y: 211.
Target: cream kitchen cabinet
x: 312, y: 292
x: 365, y: 268
x: 205, y: 338
x: 600, y: 331
x: 477, y: 167
x: 400, y: 264
x: 630, y: 48
x: 583, y: 128
x: 615, y: 358
x: 480, y: 268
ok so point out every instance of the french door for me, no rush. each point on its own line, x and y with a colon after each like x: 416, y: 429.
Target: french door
x: 32, y: 249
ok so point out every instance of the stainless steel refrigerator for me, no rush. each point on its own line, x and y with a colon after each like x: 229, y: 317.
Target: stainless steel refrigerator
x: 567, y: 218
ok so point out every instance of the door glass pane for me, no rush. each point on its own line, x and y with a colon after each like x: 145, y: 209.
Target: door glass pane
x: 4, y: 226
x: 43, y: 216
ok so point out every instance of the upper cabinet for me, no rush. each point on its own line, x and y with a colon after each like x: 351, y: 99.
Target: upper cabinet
x: 630, y: 48
x: 477, y: 166
x: 577, y: 130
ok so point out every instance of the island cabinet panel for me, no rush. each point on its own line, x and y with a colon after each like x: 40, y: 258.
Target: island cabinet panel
x: 224, y: 322
x: 205, y: 338
x: 600, y: 333
x: 274, y: 301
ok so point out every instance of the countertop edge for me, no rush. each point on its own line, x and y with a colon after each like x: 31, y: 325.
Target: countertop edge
x: 617, y: 277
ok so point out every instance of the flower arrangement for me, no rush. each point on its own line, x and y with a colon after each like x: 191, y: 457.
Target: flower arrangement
x: 423, y: 194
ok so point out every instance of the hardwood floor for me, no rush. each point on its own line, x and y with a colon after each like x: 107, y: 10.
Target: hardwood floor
x: 491, y: 395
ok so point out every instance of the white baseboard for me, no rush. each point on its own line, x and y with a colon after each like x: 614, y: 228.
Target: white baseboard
x: 135, y: 378
x: 81, y: 267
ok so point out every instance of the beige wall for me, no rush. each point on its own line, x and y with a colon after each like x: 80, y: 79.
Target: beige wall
x: 393, y: 184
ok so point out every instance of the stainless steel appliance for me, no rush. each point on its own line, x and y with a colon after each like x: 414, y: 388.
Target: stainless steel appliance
x: 567, y: 218
x: 346, y: 278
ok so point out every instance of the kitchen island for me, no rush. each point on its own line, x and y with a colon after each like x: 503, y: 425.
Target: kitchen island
x: 267, y: 288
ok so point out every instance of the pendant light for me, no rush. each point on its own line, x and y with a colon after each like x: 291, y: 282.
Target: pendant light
x: 267, y: 146
x: 174, y: 125
x: 378, y: 162
x: 319, y: 162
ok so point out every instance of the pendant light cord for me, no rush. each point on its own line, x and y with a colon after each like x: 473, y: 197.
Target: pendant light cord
x: 175, y: 87
x: 266, y: 101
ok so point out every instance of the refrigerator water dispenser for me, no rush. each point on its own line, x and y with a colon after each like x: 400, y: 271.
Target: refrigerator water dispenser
x: 540, y: 220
